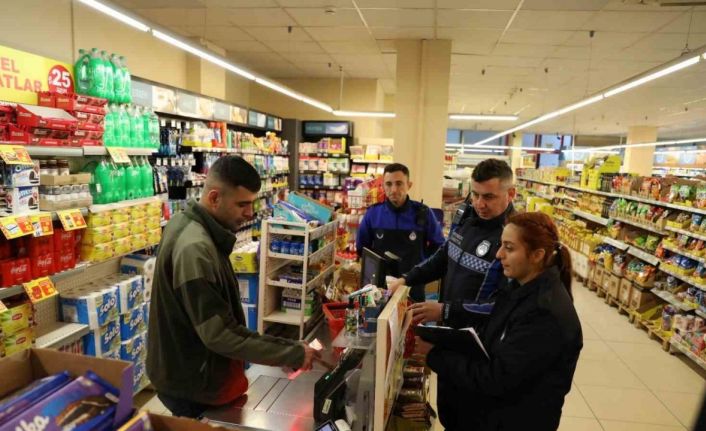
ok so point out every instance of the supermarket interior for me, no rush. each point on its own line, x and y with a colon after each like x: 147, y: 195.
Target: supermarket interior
x: 302, y: 162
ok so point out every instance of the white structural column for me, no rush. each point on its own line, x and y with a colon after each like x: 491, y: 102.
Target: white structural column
x: 640, y: 160
x: 516, y: 156
x: 421, y: 108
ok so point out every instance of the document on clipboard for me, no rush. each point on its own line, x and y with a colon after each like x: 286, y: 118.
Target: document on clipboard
x: 465, y: 340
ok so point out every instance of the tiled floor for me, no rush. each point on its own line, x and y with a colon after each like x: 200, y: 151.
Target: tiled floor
x: 624, y: 381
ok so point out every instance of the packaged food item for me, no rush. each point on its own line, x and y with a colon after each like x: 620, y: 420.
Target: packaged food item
x: 120, y: 230
x: 17, y: 317
x: 98, y: 252
x: 99, y: 219
x: 86, y: 403
x: 31, y: 394
x: 19, y: 341
x: 97, y: 235
x: 99, y: 342
x: 651, y: 242
x: 122, y: 246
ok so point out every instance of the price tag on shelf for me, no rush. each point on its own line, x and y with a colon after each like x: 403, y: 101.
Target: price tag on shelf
x: 42, y: 224
x: 40, y: 289
x: 71, y: 219
x: 119, y: 155
x: 16, y: 226
x: 15, y: 155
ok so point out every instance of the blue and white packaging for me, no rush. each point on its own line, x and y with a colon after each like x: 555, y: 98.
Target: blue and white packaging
x: 135, y: 349
x: 146, y: 307
x: 139, y: 376
x: 113, y: 354
x: 21, y: 400
x: 248, y: 286
x: 140, y: 264
x: 100, y: 341
x: 250, y: 316
x: 132, y: 323
x: 130, y: 291
x: 90, y: 305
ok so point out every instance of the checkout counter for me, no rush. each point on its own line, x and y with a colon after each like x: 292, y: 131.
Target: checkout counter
x: 361, y: 389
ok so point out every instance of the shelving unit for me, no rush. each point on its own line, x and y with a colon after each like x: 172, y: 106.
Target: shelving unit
x: 310, y: 175
x: 592, y: 217
x: 270, y: 295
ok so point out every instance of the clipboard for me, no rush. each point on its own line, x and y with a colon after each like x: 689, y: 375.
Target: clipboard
x: 464, y: 340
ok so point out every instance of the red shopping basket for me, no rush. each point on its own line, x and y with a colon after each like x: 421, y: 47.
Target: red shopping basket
x: 335, y: 313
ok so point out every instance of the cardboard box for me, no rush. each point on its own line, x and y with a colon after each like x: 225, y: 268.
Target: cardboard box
x: 614, y: 285
x: 625, y: 291
x: 641, y: 299
x: 19, y: 200
x: 20, y: 175
x: 23, y: 368
x: 598, y: 275
x: 46, y: 205
x: 607, y: 276
x: 60, y: 180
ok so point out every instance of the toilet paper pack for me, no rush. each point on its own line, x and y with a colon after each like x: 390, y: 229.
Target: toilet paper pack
x: 130, y: 291
x: 134, y: 349
x: 132, y: 323
x: 101, y: 341
x: 91, y: 305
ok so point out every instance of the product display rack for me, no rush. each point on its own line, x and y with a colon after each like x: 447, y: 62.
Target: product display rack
x: 309, y: 176
x: 272, y: 263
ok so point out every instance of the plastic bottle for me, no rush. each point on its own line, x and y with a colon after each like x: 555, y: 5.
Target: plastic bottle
x: 109, y: 127
x: 118, y: 184
x: 133, y: 181
x: 137, y: 127
x: 83, y: 79
x: 122, y: 130
x: 127, y: 81
x: 154, y: 130
x: 351, y: 321
x: 109, y: 76
x: 101, y: 181
x: 96, y: 73
x: 147, y: 177
x: 118, y: 79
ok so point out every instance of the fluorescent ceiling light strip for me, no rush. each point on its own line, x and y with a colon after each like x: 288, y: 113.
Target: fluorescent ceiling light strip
x: 501, y: 147
x: 364, y: 114
x: 278, y: 88
x: 201, y: 53
x: 132, y: 22
x: 652, y: 76
x: 680, y: 152
x: 480, y: 117
x: 643, y: 144
x: 315, y: 103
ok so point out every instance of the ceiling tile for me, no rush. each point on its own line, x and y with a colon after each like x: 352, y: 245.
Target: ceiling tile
x: 331, y: 34
x: 174, y: 16
x: 672, y: 41
x: 473, y: 19
x: 537, y: 37
x: 572, y: 52
x: 315, y: 3
x: 258, y: 58
x: 682, y: 23
x: 243, y: 46
x: 295, y: 47
x: 481, y: 36
x: 221, y: 16
x: 478, y: 4
x: 239, y: 3
x: 540, y: 20
x: 603, y: 39
x: 318, y: 18
x: 407, y: 4
x: 189, y: 31
x: 261, y: 17
x: 473, y: 48
x: 629, y: 21
x: 403, y: 32
x: 520, y: 50
x: 359, y: 60
x: 387, y: 46
x: 134, y: 4
x: 304, y: 58
x: 233, y: 33
x: 565, y: 5
x: 357, y: 47
x: 267, y: 34
x: 399, y: 17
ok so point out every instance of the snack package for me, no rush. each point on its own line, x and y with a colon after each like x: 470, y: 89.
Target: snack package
x: 86, y: 403
x: 17, y: 317
x: 25, y: 397
x: 19, y: 341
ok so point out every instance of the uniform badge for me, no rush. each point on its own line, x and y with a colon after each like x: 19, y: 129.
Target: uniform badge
x: 412, y: 236
x: 483, y: 248
x: 379, y: 235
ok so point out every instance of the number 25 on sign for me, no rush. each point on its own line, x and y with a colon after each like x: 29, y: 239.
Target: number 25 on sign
x: 40, y: 289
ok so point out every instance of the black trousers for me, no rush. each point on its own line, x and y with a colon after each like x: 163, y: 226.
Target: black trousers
x: 183, y: 408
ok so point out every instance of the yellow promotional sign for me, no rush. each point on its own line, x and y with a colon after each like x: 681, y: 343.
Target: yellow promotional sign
x: 71, y: 219
x: 119, y: 155
x: 16, y: 226
x: 42, y: 224
x: 15, y: 155
x: 40, y: 289
x: 23, y: 74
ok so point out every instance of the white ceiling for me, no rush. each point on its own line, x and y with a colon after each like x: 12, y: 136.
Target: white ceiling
x: 538, y: 61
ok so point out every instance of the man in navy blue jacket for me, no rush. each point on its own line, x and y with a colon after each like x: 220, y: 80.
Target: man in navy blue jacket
x: 400, y: 225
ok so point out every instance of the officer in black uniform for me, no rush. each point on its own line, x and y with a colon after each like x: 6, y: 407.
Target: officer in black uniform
x: 467, y: 263
x: 400, y: 225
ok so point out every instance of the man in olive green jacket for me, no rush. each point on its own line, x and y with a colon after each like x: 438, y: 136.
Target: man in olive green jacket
x: 198, y: 340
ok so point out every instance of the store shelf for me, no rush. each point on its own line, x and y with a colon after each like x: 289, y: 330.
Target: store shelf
x: 677, y: 344
x: 684, y: 253
x: 641, y: 254
x: 670, y: 298
x: 6, y: 292
x: 620, y: 245
x: 62, y: 334
x: 103, y: 151
x: 646, y: 227
x: 36, y: 150
x: 55, y: 216
x: 686, y: 232
x: 286, y: 318
x: 628, y: 197
x: 284, y: 284
x: 320, y: 252
x: 285, y: 256
x: 321, y: 187
x: 324, y: 274
x: 324, y: 154
x: 567, y: 197
x: 123, y: 204
x: 592, y: 217
x: 684, y: 278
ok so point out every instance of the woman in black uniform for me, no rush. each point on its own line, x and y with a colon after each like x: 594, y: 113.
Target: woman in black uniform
x: 533, y: 338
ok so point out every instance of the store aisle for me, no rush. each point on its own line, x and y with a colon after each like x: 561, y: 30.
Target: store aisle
x: 624, y: 381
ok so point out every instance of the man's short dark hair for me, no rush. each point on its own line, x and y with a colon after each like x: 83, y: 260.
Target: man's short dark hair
x: 492, y: 168
x: 234, y: 171
x: 396, y: 167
